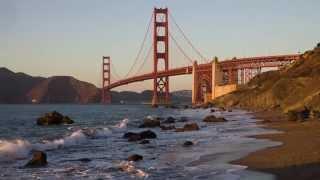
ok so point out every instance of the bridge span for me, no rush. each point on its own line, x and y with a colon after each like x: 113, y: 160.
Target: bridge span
x: 209, y: 80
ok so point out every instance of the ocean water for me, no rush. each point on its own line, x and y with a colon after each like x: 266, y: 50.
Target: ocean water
x: 93, y: 147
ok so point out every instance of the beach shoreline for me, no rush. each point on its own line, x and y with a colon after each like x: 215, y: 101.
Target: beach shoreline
x: 298, y: 158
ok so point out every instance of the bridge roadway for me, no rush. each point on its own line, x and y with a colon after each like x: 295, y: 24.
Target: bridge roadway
x: 242, y: 63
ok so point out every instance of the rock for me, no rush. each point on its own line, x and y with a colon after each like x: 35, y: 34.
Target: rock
x: 135, y: 157
x: 85, y: 160
x: 150, y: 123
x: 132, y: 136
x: 185, y: 107
x: 54, y: 118
x: 212, y: 110
x: 169, y: 120
x: 188, y: 127
x: 315, y: 114
x: 145, y: 141
x: 302, y: 115
x: 139, y: 136
x: 229, y: 110
x: 188, y: 143
x: 39, y: 159
x: 165, y: 128
x: 213, y: 118
x: 148, y: 135
x: 172, y: 107
x: 183, y: 119
x: 67, y: 120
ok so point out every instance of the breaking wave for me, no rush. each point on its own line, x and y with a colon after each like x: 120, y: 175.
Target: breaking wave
x: 11, y: 150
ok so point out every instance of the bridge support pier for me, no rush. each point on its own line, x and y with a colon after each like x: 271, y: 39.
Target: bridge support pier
x: 160, y: 53
x: 106, y: 78
x: 195, y: 83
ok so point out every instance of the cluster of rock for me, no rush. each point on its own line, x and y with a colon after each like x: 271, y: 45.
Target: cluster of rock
x: 303, y: 115
x: 39, y: 158
x: 53, y: 118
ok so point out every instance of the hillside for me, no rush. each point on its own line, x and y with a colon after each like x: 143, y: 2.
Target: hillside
x: 63, y: 89
x: 18, y: 88
x: 292, y: 88
x: 15, y: 86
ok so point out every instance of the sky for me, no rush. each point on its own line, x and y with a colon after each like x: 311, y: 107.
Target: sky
x: 69, y: 37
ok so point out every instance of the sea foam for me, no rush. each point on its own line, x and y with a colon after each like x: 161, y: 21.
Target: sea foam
x: 20, y: 149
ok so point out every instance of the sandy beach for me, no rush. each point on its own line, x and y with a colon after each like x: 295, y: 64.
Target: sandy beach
x: 298, y: 158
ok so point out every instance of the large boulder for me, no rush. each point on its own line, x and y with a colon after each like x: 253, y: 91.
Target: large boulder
x: 213, y: 119
x: 53, y: 118
x: 150, y: 123
x: 188, y: 127
x: 39, y: 159
x: 135, y: 157
x: 131, y: 136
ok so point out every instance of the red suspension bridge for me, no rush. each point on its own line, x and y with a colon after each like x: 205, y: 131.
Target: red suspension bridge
x: 210, y: 79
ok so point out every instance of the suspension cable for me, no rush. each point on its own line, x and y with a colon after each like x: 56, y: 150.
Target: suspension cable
x: 186, y: 38
x: 141, y: 47
x: 180, y: 49
x: 116, y: 75
x: 144, y: 61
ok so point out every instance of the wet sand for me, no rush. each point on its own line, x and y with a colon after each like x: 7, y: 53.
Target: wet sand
x: 299, y: 156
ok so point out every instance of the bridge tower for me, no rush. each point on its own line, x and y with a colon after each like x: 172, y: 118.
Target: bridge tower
x: 106, y: 79
x: 160, y: 56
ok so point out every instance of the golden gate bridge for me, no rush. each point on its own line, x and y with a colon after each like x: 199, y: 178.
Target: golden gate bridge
x: 210, y: 79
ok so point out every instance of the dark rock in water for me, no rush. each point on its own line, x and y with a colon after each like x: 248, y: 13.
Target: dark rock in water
x: 148, y: 135
x: 183, y: 119
x: 212, y: 110
x: 169, y: 120
x: 140, y: 136
x: 150, y: 123
x: 165, y: 128
x: 54, y: 118
x: 172, y: 107
x: 213, y: 118
x: 185, y: 107
x: 229, y: 110
x: 132, y: 136
x: 145, y: 141
x: 188, y: 127
x: 86, y: 160
x: 39, y: 159
x: 135, y: 157
x: 188, y: 143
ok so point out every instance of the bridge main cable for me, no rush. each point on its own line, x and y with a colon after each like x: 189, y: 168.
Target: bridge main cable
x: 186, y: 38
x: 141, y: 46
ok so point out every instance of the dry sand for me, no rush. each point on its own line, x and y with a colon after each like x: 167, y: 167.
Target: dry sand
x: 299, y: 156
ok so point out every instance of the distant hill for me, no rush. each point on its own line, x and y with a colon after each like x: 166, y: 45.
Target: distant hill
x: 15, y: 86
x: 22, y: 88
x: 292, y: 88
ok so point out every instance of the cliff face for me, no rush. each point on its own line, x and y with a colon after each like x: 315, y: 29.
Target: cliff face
x: 292, y: 88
